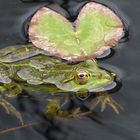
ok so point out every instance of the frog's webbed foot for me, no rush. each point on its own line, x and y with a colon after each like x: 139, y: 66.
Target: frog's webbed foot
x: 105, y: 100
x: 10, y: 109
x: 77, y: 114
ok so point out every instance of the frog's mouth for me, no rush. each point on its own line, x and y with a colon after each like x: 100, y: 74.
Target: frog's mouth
x: 84, y: 94
x: 107, y: 87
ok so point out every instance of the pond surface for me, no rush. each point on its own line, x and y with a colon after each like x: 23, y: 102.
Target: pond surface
x: 124, y: 62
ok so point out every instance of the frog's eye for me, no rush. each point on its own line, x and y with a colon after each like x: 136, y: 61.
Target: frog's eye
x: 82, y: 77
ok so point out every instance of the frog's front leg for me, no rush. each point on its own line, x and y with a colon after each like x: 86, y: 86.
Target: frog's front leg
x: 104, y: 99
x: 54, y: 109
x: 12, y: 89
x: 10, y: 109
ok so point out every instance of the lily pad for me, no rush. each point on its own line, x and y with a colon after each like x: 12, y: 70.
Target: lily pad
x: 96, y: 29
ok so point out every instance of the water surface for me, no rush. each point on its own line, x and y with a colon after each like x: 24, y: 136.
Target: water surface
x: 125, y: 62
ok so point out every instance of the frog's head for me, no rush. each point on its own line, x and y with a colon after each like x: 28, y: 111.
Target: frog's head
x: 87, y: 76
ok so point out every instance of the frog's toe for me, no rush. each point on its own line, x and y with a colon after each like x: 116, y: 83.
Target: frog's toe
x: 77, y: 113
x: 104, y: 100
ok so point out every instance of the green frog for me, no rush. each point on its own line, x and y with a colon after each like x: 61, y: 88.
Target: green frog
x: 26, y: 67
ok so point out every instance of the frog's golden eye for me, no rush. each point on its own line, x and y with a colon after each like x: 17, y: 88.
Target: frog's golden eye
x: 82, y: 77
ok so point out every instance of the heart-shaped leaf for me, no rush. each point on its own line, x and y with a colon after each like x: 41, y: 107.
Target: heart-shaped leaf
x: 96, y: 29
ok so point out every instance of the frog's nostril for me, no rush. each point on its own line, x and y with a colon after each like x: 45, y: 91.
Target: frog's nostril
x: 108, y: 77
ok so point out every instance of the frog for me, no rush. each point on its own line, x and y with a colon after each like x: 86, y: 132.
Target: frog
x: 25, y: 67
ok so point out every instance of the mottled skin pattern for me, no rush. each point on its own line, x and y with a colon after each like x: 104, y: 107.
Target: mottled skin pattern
x: 30, y: 66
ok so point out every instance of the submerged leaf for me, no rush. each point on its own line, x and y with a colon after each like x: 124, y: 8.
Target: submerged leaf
x: 97, y: 28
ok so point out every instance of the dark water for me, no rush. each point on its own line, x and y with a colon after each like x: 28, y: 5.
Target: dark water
x: 124, y: 62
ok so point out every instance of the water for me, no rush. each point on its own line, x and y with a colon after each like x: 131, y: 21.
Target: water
x: 124, y: 62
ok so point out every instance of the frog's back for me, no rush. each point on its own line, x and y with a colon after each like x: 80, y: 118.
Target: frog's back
x: 4, y: 74
x: 28, y: 55
x: 42, y: 69
x: 19, y: 52
x: 30, y: 64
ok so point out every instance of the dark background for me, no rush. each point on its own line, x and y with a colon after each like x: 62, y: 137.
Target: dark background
x: 14, y: 15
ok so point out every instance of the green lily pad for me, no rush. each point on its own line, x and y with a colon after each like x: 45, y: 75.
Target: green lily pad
x: 96, y: 29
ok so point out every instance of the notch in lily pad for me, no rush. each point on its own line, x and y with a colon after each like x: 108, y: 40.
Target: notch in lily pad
x: 97, y: 28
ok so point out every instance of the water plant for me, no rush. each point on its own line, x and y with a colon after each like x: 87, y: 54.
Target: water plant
x: 96, y: 29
